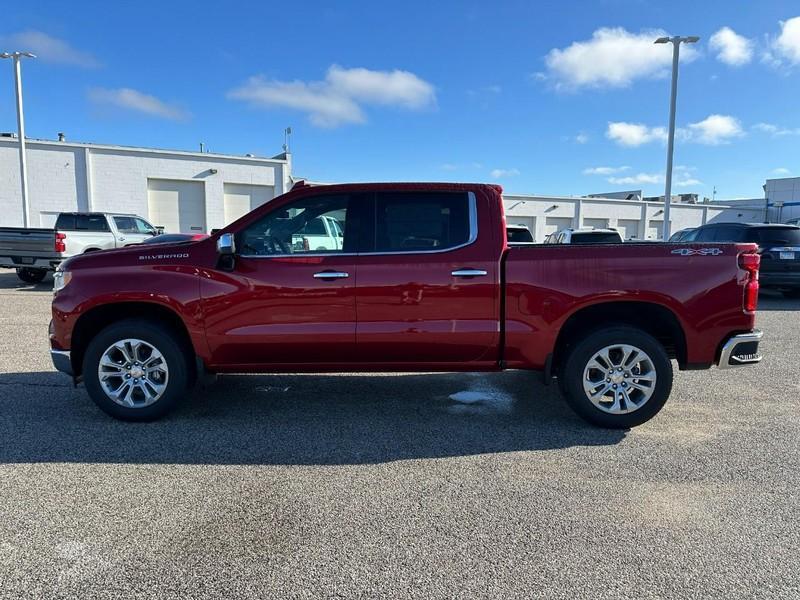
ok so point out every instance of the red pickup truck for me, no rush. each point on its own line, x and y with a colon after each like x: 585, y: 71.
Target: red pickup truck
x: 416, y: 277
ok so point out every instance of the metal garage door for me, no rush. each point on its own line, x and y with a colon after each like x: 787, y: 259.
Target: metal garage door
x: 596, y: 223
x: 628, y: 228
x: 177, y: 206
x: 553, y: 224
x: 241, y: 198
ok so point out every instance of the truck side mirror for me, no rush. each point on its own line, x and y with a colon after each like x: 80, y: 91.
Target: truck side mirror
x: 226, y: 248
x: 226, y: 244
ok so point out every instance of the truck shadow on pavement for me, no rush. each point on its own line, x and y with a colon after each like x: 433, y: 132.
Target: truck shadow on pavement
x: 10, y: 281
x: 296, y: 420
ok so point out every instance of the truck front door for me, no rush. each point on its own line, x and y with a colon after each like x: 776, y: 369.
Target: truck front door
x: 286, y: 302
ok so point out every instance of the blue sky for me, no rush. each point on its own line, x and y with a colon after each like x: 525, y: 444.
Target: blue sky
x: 542, y: 97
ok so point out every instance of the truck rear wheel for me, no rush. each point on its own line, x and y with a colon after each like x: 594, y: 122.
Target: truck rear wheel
x: 617, y: 377
x: 29, y: 275
x: 135, y: 370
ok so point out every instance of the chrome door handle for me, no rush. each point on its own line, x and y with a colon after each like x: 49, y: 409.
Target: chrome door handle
x: 331, y: 275
x: 122, y: 239
x: 468, y: 273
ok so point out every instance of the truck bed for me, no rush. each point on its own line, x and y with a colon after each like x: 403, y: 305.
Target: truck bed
x: 547, y: 284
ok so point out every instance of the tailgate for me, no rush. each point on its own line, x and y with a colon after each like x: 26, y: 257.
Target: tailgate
x: 28, y: 242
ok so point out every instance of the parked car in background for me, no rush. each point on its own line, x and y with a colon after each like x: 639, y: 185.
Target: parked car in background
x: 518, y: 235
x: 778, y: 245
x: 321, y: 233
x: 175, y: 238
x: 424, y: 281
x: 585, y: 236
x: 684, y: 235
x: 35, y: 251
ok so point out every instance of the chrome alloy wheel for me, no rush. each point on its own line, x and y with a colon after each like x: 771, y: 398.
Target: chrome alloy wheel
x: 619, y: 379
x: 133, y: 373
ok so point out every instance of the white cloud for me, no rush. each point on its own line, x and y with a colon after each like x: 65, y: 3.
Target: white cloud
x: 731, y: 48
x: 775, y: 130
x: 605, y: 170
x: 781, y: 171
x: 715, y: 130
x: 785, y: 48
x: 47, y: 48
x: 339, y: 98
x: 637, y: 179
x: 634, y: 134
x: 500, y: 173
x: 685, y: 182
x: 613, y: 57
x: 581, y: 138
x: 682, y: 176
x: 129, y: 99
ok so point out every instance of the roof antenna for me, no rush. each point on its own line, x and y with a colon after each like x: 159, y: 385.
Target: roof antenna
x: 287, y: 136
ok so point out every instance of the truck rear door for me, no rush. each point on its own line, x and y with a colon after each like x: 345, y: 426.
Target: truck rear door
x: 428, y: 283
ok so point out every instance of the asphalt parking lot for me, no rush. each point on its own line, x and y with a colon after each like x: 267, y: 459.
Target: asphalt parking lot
x: 444, y: 485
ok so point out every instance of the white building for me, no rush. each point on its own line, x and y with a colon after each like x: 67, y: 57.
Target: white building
x: 635, y: 219
x: 198, y: 191
x: 181, y: 191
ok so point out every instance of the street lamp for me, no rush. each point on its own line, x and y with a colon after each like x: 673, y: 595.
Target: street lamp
x: 23, y: 167
x: 676, y: 50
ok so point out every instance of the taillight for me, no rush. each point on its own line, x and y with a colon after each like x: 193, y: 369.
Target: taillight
x: 750, y: 263
x: 60, y: 246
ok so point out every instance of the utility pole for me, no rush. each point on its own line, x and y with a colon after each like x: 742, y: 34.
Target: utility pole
x: 676, y: 49
x: 23, y: 165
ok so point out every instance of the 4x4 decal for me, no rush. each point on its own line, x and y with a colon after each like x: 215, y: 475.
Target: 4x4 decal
x: 698, y: 251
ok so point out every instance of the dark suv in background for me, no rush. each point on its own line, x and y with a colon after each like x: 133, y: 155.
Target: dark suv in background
x: 779, y: 246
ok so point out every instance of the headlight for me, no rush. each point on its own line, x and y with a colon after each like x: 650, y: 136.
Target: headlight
x: 61, y: 279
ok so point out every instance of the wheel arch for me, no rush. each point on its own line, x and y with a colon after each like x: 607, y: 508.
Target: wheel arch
x: 653, y: 318
x: 103, y: 315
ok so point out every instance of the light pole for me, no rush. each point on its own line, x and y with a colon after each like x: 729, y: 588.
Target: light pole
x: 23, y: 166
x: 676, y: 50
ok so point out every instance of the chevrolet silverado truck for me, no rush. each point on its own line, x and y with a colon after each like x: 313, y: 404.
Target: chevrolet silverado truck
x: 424, y: 281
x: 35, y: 251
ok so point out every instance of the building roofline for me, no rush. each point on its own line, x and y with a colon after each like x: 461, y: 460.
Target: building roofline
x: 141, y: 150
x: 530, y: 197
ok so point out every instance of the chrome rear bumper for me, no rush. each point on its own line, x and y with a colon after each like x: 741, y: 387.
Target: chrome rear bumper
x: 741, y: 350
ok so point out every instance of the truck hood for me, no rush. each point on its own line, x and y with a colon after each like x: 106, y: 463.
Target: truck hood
x: 133, y: 255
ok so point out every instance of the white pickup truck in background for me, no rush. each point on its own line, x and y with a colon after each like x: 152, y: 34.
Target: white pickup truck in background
x: 35, y: 251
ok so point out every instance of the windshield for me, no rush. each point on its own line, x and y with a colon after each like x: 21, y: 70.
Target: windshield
x: 774, y: 236
x: 596, y: 238
x: 519, y: 235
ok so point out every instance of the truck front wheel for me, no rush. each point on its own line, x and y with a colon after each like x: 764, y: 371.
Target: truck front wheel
x: 135, y: 370
x: 29, y: 275
x: 617, y: 377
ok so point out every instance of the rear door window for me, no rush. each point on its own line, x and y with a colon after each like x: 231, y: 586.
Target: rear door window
x: 421, y: 221
x: 706, y: 234
x: 729, y: 234
x: 774, y: 236
x: 91, y: 223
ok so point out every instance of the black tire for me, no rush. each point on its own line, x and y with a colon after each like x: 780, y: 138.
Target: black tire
x: 792, y: 294
x: 571, y: 375
x: 158, y: 336
x: 29, y: 275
